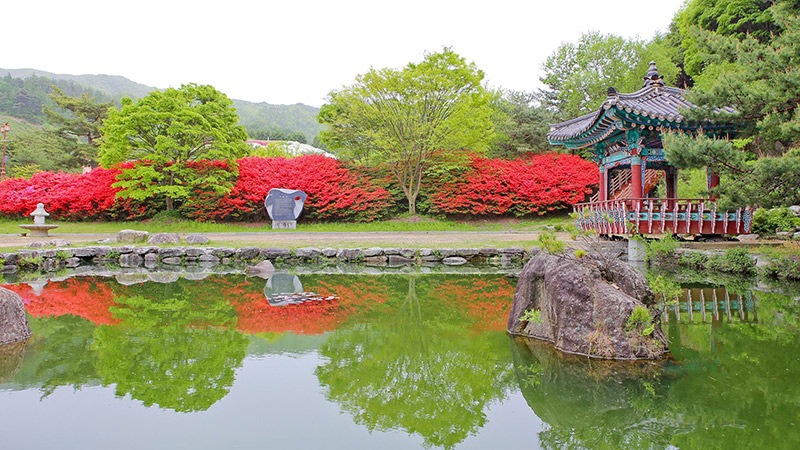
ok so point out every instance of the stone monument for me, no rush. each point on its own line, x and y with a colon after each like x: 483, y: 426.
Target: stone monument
x: 284, y: 207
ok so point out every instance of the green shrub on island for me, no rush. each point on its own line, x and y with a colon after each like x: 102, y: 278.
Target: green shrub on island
x: 734, y: 260
x: 640, y: 321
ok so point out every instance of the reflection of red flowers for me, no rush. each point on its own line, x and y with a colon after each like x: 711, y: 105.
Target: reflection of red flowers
x: 486, y: 300
x: 85, y: 297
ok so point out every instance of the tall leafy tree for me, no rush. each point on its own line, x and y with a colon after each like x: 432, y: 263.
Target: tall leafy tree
x: 164, y: 133
x: 82, y: 121
x: 577, y: 75
x: 412, y: 118
x: 762, y: 81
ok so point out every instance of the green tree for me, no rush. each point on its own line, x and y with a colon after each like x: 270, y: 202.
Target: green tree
x: 82, y: 122
x: 413, y: 118
x: 761, y: 80
x: 524, y: 125
x: 577, y: 75
x: 165, y: 132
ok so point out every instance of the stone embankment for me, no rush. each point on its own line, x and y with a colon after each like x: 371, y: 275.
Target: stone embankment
x: 151, y: 257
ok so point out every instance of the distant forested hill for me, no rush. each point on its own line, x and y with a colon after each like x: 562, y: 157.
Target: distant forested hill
x: 24, y: 91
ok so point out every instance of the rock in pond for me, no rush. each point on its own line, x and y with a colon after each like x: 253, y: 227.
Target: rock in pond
x: 13, y: 320
x: 584, y: 305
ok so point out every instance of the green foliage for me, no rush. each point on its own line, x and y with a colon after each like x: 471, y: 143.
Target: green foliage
x: 523, y: 126
x: 734, y: 260
x: 662, y: 250
x: 81, y: 122
x: 694, y: 260
x: 273, y: 150
x: 769, y: 221
x: 412, y: 119
x: 640, y: 321
x: 580, y: 253
x: 550, y: 243
x: 751, y: 60
x: 30, y: 263
x: 783, y: 263
x: 32, y: 148
x: 665, y: 286
x: 264, y: 121
x: 532, y: 316
x: 170, y: 130
x: 577, y: 75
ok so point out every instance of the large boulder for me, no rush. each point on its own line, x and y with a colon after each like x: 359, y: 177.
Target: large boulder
x: 13, y: 320
x: 584, y: 306
x: 164, y: 238
x: 132, y: 236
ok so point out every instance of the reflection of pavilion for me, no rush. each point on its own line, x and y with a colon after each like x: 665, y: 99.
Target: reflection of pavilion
x: 704, y: 305
x: 625, y: 137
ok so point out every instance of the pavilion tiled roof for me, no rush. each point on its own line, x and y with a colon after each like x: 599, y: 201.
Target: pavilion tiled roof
x: 654, y: 100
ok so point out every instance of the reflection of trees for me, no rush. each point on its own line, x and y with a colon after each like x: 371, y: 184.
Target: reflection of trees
x: 415, y: 366
x: 59, y: 354
x: 591, y: 403
x: 730, y: 385
x: 169, y: 352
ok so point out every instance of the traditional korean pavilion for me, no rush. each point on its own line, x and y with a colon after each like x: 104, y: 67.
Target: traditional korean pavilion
x: 624, y: 136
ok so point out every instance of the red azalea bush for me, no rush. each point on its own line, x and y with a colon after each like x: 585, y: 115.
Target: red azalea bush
x: 334, y: 192
x: 532, y: 184
x: 527, y: 185
x: 70, y: 196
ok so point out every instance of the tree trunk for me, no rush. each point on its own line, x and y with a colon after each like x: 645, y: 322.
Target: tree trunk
x: 412, y: 204
x: 170, y: 204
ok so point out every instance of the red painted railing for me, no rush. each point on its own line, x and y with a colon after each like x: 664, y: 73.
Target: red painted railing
x: 661, y: 216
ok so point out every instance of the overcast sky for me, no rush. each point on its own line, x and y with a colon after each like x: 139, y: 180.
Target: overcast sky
x: 296, y: 51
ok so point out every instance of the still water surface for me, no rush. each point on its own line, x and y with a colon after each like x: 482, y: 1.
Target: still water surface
x: 381, y: 361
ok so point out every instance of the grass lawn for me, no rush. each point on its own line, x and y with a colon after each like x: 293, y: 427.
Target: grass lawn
x: 9, y: 226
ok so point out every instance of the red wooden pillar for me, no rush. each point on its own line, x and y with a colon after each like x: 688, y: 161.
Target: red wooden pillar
x: 603, y: 193
x: 713, y: 181
x: 636, y: 176
x: 671, y: 178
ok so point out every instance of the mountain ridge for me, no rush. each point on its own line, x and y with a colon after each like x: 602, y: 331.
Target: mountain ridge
x: 259, y: 118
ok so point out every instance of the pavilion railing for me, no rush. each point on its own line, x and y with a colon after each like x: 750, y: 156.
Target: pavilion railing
x: 661, y: 216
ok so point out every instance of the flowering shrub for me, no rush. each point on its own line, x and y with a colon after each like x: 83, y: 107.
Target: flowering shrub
x: 532, y: 184
x: 71, y: 196
x: 334, y: 193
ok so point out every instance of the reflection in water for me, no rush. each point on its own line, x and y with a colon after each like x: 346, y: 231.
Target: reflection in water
x: 426, y: 355
x: 411, y: 366
x: 727, y: 385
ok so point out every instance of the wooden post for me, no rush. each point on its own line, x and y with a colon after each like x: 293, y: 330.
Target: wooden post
x: 636, y: 176
x: 712, y: 182
x: 671, y: 178
x: 603, y: 180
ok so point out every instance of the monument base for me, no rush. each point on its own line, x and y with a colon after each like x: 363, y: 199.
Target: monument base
x: 284, y: 224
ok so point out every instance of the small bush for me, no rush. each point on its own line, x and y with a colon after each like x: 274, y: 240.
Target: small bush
x: 551, y: 244
x: 734, y: 260
x: 532, y: 316
x: 783, y: 267
x: 694, y: 260
x: 661, y: 251
x: 640, y: 321
x: 769, y: 221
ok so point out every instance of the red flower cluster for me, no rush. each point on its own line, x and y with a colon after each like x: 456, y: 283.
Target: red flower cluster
x: 334, y: 192
x: 70, y: 196
x: 531, y: 184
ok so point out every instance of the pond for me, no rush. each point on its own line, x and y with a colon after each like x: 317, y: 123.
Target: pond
x: 380, y: 361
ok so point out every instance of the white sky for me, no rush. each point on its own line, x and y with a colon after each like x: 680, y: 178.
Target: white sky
x: 296, y: 51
